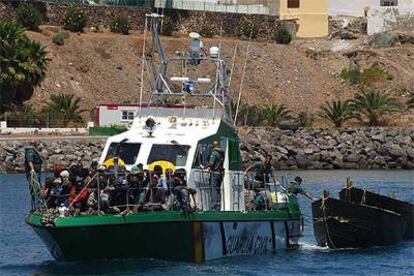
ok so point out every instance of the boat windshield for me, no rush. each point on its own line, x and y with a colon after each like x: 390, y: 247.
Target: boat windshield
x: 176, y: 154
x: 128, y: 152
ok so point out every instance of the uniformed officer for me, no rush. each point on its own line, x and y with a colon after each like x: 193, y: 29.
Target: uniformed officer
x: 215, y: 164
x: 32, y: 161
x: 264, y: 170
x: 295, y: 188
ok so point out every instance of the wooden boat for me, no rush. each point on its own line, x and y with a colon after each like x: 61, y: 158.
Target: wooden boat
x: 368, y: 198
x: 341, y: 224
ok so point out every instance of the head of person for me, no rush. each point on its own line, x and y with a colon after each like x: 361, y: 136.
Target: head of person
x: 268, y: 159
x: 57, y: 168
x: 33, y: 143
x: 297, y: 180
x: 216, y: 144
x: 158, y: 170
x: 169, y: 172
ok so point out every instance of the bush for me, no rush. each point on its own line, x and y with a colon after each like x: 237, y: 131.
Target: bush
x: 207, y: 31
x: 375, y: 74
x: 167, y: 26
x: 59, y: 39
x: 75, y: 20
x: 120, y: 24
x: 28, y: 16
x: 352, y: 74
x: 282, y: 35
x: 247, y: 29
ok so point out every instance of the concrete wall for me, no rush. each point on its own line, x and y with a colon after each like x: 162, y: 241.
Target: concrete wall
x: 382, y: 19
x: 350, y: 7
x: 312, y: 17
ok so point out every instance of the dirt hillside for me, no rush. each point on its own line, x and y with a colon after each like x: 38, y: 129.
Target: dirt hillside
x: 105, y: 68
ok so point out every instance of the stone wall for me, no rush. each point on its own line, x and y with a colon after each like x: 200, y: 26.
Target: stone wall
x: 311, y: 148
x: 185, y: 21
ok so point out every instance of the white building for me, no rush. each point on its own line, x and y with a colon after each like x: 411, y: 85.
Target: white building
x: 380, y: 13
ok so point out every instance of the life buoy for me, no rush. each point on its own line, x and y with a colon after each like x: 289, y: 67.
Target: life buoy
x: 164, y: 164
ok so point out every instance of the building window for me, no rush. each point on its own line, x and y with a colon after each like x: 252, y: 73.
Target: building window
x: 293, y: 4
x: 389, y: 3
x: 127, y: 115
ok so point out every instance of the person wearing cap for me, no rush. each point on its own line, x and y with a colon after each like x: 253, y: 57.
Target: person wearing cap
x: 294, y: 188
x: 215, y: 165
x: 32, y: 161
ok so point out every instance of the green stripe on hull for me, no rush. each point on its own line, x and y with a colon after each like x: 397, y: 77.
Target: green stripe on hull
x: 169, y: 235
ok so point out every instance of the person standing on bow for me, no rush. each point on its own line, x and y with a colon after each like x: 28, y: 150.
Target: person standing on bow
x: 32, y: 161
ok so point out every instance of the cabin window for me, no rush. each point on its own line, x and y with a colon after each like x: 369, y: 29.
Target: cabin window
x: 176, y: 154
x: 389, y: 3
x: 293, y: 4
x: 127, y: 152
x: 127, y: 116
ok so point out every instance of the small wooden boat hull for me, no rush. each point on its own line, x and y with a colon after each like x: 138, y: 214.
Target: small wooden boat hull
x: 340, y: 224
x: 406, y: 209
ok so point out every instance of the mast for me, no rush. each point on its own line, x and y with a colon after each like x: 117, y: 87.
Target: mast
x: 197, y: 56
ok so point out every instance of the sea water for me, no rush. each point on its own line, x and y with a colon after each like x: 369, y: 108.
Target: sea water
x: 23, y: 253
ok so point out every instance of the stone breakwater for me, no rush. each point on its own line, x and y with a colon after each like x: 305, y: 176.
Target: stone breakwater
x: 309, y: 148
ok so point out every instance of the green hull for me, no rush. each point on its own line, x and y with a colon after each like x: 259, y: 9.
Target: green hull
x: 197, y: 237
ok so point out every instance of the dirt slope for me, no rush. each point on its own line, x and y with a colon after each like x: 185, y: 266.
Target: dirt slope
x: 105, y: 68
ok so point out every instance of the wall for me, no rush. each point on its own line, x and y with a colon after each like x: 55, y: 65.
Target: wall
x: 185, y: 21
x: 381, y: 19
x: 308, y: 148
x: 312, y: 17
x: 350, y: 7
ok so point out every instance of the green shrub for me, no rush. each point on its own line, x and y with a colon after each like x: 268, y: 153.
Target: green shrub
x: 75, y: 20
x: 207, y: 31
x: 247, y: 29
x: 352, y: 74
x: 59, y: 39
x: 282, y: 35
x: 28, y: 16
x: 167, y: 26
x: 375, y: 74
x: 120, y: 24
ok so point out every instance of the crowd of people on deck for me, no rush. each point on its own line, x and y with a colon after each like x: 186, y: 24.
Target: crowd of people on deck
x: 114, y: 189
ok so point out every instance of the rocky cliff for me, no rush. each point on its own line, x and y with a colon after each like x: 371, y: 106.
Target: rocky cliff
x: 308, y: 148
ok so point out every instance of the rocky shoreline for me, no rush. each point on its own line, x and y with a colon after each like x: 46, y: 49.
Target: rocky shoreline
x: 307, y: 148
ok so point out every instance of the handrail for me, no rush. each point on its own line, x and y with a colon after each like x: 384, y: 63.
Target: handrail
x: 86, y: 186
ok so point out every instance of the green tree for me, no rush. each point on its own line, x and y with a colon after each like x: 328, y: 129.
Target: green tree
x: 276, y: 113
x: 75, y: 20
x: 337, y: 112
x: 373, y: 106
x: 23, y: 63
x: 65, y: 108
x: 28, y: 16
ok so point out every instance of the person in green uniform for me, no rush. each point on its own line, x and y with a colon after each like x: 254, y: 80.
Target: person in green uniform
x: 264, y: 170
x: 294, y: 188
x: 215, y: 165
x: 32, y: 161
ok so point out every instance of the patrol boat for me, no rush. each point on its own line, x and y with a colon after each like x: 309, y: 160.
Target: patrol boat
x: 179, y: 137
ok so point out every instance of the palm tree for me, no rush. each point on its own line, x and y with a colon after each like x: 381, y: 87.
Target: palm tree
x: 410, y: 102
x: 373, y: 106
x: 22, y: 62
x: 337, y: 112
x: 65, y: 107
x: 276, y: 113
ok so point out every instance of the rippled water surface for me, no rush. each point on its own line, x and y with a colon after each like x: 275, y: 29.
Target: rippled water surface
x: 22, y: 252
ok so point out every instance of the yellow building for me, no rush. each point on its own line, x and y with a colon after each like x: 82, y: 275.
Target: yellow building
x: 310, y: 15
